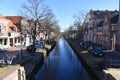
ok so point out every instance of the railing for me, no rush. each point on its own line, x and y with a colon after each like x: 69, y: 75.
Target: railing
x: 114, y: 62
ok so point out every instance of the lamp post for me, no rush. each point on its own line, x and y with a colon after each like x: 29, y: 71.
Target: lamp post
x: 118, y: 34
x: 21, y: 54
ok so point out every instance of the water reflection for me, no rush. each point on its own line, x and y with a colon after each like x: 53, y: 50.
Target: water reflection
x: 62, y: 64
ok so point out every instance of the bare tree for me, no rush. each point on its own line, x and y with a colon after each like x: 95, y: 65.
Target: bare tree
x: 56, y: 29
x: 34, y: 12
x: 79, y: 24
x: 79, y: 18
x: 48, y: 24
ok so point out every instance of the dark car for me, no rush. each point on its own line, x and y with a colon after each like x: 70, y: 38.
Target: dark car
x: 96, y: 51
x: 85, y: 44
x: 30, y: 49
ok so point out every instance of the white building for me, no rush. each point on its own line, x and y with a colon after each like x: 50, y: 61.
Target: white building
x: 9, y: 36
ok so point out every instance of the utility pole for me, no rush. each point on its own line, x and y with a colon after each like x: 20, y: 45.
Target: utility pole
x: 118, y: 35
x: 119, y: 27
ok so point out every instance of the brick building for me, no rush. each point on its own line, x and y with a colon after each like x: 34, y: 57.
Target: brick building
x: 103, y: 27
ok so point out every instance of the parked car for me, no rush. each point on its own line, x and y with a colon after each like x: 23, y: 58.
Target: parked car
x: 85, y: 44
x: 30, y: 49
x: 96, y: 51
x: 40, y: 44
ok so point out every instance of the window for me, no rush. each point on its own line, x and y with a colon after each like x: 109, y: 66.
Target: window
x: 13, y: 29
x: 5, y: 41
x: 105, y: 29
x: 100, y: 29
x: 0, y: 41
x: 4, y: 29
x: 18, y: 39
x: 0, y: 29
x: 105, y: 19
x: 95, y: 30
x: 15, y: 40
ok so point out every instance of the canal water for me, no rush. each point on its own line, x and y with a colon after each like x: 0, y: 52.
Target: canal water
x: 62, y: 64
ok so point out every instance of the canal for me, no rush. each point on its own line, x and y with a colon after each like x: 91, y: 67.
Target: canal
x: 62, y: 64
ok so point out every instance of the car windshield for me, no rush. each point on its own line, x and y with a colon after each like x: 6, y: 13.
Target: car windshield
x: 97, y: 48
x: 41, y: 42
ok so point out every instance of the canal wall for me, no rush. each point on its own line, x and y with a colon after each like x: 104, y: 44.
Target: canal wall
x: 83, y: 60
x: 34, y: 67
x: 15, y: 73
x: 92, y: 68
x: 39, y: 63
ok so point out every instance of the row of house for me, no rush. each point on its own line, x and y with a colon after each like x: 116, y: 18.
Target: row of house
x: 9, y: 33
x: 12, y: 33
x: 101, y: 27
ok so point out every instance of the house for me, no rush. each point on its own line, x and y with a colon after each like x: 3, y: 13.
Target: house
x: 101, y: 25
x: 16, y: 20
x: 104, y: 32
x: 93, y: 18
x: 9, y: 36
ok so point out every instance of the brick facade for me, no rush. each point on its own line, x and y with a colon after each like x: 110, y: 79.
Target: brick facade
x: 102, y: 31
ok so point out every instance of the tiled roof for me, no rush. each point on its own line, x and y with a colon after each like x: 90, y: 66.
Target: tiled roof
x: 10, y: 24
x: 115, y: 19
x: 16, y: 20
x: 8, y: 21
x: 2, y: 17
x: 100, y: 14
x: 113, y: 13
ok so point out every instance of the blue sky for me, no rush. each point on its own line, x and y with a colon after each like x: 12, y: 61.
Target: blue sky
x: 63, y: 9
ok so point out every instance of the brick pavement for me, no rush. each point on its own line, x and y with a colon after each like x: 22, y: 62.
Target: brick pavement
x: 114, y: 72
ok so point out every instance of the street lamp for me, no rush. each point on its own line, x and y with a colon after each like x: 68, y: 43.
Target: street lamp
x: 114, y: 29
x: 21, y: 54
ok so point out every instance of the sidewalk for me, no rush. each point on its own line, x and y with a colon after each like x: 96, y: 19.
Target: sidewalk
x: 114, y: 72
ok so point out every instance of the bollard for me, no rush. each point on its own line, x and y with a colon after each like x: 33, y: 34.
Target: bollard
x: 21, y: 74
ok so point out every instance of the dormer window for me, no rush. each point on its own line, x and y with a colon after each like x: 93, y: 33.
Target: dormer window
x: 13, y: 29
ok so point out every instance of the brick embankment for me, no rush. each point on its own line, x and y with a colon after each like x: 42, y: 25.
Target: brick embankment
x: 92, y: 64
x: 34, y: 64
x: 30, y: 65
x: 83, y: 60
